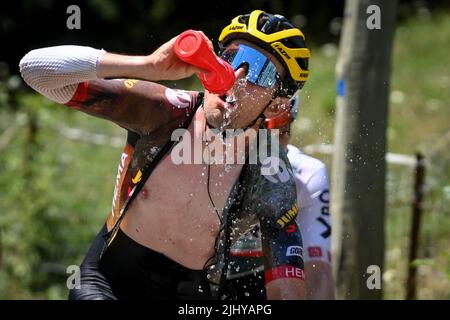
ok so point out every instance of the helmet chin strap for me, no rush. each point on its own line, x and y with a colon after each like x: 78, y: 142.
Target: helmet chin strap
x: 275, y: 95
x: 260, y: 116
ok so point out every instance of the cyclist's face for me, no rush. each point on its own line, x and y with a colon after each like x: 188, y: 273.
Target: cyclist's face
x: 245, y: 101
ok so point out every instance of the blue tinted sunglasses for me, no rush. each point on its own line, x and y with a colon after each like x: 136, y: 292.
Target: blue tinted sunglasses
x: 260, y: 70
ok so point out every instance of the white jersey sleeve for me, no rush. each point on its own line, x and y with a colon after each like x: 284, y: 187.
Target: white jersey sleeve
x: 55, y: 72
x: 313, y: 198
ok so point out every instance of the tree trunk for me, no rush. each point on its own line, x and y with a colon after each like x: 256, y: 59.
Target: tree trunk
x: 358, y: 180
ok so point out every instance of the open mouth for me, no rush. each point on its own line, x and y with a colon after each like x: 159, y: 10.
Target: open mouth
x: 230, y: 101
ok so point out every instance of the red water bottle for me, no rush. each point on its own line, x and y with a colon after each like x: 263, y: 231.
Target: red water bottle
x: 192, y: 47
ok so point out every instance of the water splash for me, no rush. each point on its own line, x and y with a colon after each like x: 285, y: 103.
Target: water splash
x: 231, y: 99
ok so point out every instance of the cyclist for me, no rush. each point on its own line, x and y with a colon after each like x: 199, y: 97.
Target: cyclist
x: 167, y: 219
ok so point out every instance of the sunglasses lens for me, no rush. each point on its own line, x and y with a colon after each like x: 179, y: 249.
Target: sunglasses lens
x: 260, y: 70
x: 268, y: 76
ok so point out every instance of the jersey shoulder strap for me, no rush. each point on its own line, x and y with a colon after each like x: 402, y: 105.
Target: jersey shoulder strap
x: 146, y: 170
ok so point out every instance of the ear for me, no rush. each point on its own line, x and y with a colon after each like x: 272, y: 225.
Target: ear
x: 277, y: 107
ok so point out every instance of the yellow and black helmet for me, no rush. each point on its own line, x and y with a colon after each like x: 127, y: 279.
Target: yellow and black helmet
x: 275, y: 34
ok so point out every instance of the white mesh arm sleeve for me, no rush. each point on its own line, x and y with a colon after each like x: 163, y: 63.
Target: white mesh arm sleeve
x: 56, y: 72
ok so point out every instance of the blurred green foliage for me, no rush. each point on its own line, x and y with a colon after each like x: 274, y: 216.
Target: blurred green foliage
x: 55, y: 196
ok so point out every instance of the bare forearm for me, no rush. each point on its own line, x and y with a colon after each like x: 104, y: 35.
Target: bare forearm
x: 163, y: 64
x: 319, y: 281
x: 286, y: 289
x: 121, y: 66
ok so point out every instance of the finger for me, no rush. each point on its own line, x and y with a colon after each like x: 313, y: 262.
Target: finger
x: 198, y: 70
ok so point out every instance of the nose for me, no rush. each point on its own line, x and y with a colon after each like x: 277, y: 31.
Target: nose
x: 241, y: 72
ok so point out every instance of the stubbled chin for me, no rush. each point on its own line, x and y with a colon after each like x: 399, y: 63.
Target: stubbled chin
x: 214, y: 117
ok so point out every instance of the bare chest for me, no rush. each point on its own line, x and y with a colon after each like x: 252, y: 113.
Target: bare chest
x: 176, y: 212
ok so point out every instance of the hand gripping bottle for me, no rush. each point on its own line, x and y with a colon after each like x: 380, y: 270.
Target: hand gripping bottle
x: 192, y: 47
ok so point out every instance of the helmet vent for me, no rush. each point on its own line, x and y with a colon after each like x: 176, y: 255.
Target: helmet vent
x: 293, y: 42
x: 244, y: 19
x: 303, y: 63
x: 269, y: 23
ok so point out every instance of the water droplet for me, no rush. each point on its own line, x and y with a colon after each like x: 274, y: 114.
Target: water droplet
x: 230, y: 99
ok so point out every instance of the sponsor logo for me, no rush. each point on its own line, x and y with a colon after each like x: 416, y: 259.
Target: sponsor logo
x: 282, y: 51
x: 179, y: 98
x: 324, y: 197
x: 291, y: 228
x: 236, y: 28
x: 327, y: 231
x: 129, y: 83
x: 287, y: 217
x: 294, y: 251
x: 284, y: 271
x: 315, y: 252
x: 120, y: 169
x: 137, y: 177
x: 293, y: 272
